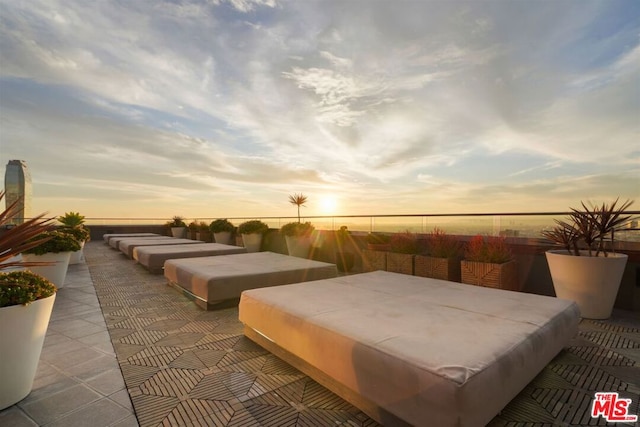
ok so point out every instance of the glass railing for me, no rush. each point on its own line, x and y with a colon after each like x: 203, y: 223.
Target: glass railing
x: 528, y: 225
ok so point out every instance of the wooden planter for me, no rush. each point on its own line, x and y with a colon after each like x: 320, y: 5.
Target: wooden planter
x: 373, y: 260
x: 437, y: 268
x: 501, y: 276
x: 204, y: 236
x: 400, y: 263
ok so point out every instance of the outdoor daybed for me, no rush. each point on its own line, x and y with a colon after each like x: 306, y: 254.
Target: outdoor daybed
x: 127, y: 246
x: 412, y: 350
x: 153, y: 257
x: 108, y: 236
x: 218, y: 281
x: 114, y: 241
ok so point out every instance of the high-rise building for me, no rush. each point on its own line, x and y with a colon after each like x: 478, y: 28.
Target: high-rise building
x: 17, y: 186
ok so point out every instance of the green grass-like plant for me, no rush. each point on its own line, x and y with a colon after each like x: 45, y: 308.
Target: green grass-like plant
x: 442, y: 245
x: 490, y: 249
x: 23, y: 287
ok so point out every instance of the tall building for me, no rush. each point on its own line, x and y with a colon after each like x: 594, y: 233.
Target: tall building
x: 17, y: 186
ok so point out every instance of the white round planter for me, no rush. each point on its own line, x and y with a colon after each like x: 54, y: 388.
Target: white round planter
x: 78, y: 256
x: 592, y: 282
x: 55, y: 273
x: 222, y: 237
x: 178, y: 231
x: 298, y: 246
x: 252, y: 242
x: 22, y: 331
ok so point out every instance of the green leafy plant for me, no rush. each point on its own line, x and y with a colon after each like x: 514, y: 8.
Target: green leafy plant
x: 71, y: 219
x: 404, y: 243
x: 58, y: 242
x: 253, y: 227
x: 590, y: 228
x: 488, y: 249
x: 222, y: 225
x: 21, y: 237
x: 177, y: 221
x: 299, y: 200
x: 23, y: 287
x: 442, y: 245
x: 203, y: 226
x: 300, y: 229
x: 81, y: 234
x: 343, y: 235
x: 193, y: 225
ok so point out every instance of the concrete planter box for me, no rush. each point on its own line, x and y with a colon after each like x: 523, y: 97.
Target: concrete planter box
x: 55, y: 273
x: 222, y: 237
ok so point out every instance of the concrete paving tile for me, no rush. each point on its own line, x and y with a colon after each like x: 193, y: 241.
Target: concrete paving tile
x: 54, y: 351
x: 57, y: 405
x: 53, y: 338
x: 101, y: 413
x: 130, y: 421
x: 95, y: 339
x: 107, y: 382
x: 95, y: 317
x: 48, y: 385
x: 93, y: 367
x: 79, y: 355
x: 15, y: 417
x: 122, y: 398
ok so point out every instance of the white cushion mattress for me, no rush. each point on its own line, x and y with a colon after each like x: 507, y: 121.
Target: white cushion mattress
x: 218, y: 278
x: 108, y: 236
x: 127, y: 246
x: 428, y: 351
x: 153, y: 257
x: 114, y: 241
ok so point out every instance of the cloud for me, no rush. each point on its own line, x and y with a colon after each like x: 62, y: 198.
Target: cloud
x: 246, y: 100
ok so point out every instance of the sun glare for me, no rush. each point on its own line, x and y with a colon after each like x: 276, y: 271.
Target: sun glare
x: 328, y: 205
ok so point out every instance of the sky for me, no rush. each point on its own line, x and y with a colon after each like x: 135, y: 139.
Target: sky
x: 224, y: 108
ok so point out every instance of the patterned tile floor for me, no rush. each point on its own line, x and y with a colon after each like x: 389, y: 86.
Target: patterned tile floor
x: 185, y: 366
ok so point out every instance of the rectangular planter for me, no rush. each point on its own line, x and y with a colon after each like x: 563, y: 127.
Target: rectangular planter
x: 204, y: 236
x: 400, y: 263
x: 501, y: 276
x: 437, y: 268
x: 373, y: 260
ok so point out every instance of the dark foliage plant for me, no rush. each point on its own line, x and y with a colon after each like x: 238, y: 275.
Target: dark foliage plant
x: 404, y: 243
x: 81, y: 233
x: 489, y: 249
x: 297, y: 229
x: 590, y: 228
x: 253, y: 227
x: 442, y: 245
x: 221, y: 225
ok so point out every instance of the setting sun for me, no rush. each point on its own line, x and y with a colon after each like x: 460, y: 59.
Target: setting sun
x: 328, y: 205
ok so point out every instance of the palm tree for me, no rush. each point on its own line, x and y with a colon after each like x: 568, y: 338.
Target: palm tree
x: 299, y: 200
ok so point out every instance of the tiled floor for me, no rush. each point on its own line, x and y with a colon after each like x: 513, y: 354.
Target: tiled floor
x: 79, y: 382
x: 185, y: 366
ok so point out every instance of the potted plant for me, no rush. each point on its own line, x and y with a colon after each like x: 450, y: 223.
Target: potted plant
x: 252, y: 232
x: 204, y: 233
x: 177, y: 226
x: 585, y: 270
x: 82, y: 235
x: 26, y: 303
x: 403, y: 248
x: 345, y: 259
x: 222, y: 229
x: 193, y: 229
x: 298, y: 236
x: 441, y: 259
x: 489, y: 262
x: 71, y: 219
x: 56, y: 250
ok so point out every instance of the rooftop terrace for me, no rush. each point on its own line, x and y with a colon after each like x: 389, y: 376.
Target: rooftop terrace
x: 125, y: 349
